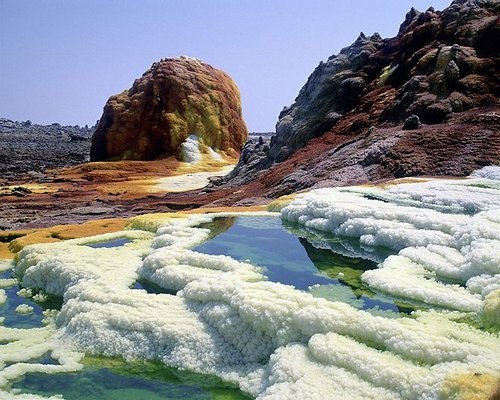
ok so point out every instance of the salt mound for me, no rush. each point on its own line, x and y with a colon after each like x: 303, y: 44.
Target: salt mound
x: 449, y: 259
x: 189, y: 150
x: 490, y: 172
x: 274, y: 341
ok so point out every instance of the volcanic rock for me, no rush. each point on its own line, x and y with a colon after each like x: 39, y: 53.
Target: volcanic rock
x: 174, y: 99
x: 412, y: 122
x: 442, y: 67
x: 26, y: 147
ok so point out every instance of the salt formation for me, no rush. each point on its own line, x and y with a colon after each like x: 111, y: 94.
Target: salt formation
x: 447, y: 259
x: 212, y: 153
x: 4, y: 266
x: 7, y: 283
x: 490, y: 172
x: 190, y: 181
x: 190, y: 151
x: 24, y: 309
x: 276, y: 342
x: 20, y: 347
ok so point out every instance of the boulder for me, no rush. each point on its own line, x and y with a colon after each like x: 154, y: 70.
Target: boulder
x: 412, y: 122
x: 178, y: 104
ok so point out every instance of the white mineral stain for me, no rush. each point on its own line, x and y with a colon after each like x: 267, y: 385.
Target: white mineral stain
x: 192, y: 181
x: 190, y: 149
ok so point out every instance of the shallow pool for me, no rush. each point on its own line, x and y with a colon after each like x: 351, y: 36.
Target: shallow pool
x: 8, y: 309
x: 110, y: 379
x: 325, y: 265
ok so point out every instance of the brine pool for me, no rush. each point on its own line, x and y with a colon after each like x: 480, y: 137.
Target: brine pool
x: 324, y: 265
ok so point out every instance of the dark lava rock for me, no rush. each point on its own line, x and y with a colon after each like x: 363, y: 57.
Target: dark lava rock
x: 31, y: 148
x: 20, y: 191
x: 412, y: 122
x: 440, y: 63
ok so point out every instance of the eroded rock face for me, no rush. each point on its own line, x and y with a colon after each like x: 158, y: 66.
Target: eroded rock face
x: 440, y: 65
x: 175, y: 98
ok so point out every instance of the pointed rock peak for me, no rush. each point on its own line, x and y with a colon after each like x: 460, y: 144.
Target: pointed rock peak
x: 376, y: 37
x: 361, y: 37
x: 410, y: 15
x: 360, y: 40
x: 413, y: 12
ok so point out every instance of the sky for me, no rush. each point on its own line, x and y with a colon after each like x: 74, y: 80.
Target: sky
x: 60, y: 60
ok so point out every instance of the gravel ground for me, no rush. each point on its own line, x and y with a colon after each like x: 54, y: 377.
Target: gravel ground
x: 31, y: 149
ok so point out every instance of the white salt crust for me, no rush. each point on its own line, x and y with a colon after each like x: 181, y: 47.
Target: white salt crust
x: 22, y: 346
x: 434, y: 245
x: 272, y: 340
x: 7, y: 283
x: 491, y: 172
x: 190, y: 149
x: 24, y: 309
x: 191, y: 181
x: 212, y: 153
x: 5, y: 265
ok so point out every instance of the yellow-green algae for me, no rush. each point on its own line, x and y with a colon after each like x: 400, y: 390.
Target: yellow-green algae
x: 219, y: 390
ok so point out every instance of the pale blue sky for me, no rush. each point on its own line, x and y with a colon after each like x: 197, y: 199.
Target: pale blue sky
x: 60, y: 60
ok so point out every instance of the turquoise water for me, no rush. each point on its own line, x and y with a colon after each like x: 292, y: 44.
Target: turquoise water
x: 152, y: 383
x: 289, y: 255
x: 8, y: 310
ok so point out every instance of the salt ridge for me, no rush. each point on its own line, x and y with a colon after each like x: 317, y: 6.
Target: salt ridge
x: 273, y: 341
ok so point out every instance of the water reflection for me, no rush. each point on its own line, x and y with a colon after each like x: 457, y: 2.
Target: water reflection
x: 111, y: 379
x: 264, y: 242
x: 325, y: 265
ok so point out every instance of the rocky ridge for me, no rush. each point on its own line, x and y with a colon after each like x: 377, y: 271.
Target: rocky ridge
x: 398, y: 125
x: 175, y: 98
x: 27, y: 147
x: 441, y: 73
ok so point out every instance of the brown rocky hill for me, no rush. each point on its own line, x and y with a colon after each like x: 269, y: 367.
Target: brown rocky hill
x: 175, y: 98
x: 422, y: 103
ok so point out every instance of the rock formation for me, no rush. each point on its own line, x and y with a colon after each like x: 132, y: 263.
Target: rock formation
x: 175, y: 98
x: 346, y: 124
x: 31, y: 148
